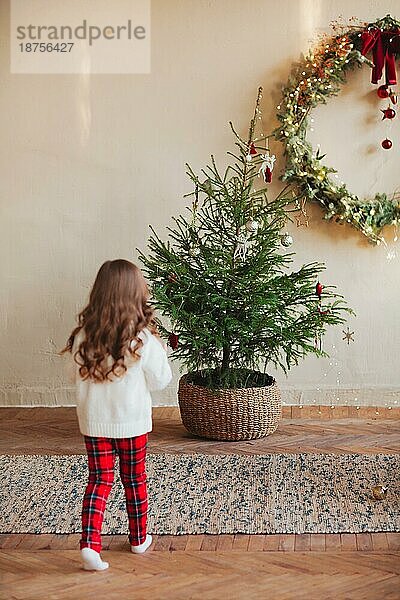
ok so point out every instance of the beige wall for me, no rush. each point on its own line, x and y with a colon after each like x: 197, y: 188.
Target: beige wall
x: 88, y: 162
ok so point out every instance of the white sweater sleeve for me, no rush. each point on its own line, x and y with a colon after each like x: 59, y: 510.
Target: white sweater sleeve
x: 155, y: 364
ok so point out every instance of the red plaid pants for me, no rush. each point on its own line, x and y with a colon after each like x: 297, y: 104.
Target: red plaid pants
x: 101, y: 453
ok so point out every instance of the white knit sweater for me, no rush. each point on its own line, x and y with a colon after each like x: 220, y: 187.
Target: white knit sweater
x: 122, y: 408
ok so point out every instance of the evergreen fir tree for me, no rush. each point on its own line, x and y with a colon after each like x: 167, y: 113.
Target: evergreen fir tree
x: 223, y: 278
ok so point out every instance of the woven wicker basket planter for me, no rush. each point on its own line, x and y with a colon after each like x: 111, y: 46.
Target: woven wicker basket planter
x: 229, y: 414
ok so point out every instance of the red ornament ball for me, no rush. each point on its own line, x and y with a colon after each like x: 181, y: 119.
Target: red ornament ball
x: 318, y: 289
x: 383, y: 91
x: 173, y: 341
x: 387, y: 144
x: 388, y: 113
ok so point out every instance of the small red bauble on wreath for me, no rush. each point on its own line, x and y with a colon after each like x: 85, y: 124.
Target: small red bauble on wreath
x: 318, y: 77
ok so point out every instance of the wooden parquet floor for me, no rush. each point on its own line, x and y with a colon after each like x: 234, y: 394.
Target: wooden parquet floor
x: 281, y: 567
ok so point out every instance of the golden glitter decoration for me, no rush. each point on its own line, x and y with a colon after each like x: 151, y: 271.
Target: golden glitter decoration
x: 379, y: 492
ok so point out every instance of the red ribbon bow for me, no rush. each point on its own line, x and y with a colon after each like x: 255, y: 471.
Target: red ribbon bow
x: 384, y: 45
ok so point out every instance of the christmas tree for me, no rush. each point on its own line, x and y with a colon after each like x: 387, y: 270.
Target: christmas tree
x: 224, y: 281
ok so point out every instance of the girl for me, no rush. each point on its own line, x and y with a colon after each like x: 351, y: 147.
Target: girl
x: 118, y: 359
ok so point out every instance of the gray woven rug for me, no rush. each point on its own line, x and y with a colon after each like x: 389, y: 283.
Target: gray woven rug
x: 199, y: 493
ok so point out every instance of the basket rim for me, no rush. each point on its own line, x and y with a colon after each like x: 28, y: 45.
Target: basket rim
x: 184, y: 377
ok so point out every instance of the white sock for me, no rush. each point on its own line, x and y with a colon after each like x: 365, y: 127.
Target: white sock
x: 142, y: 547
x: 92, y: 560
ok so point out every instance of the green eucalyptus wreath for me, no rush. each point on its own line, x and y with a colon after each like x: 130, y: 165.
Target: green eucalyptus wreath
x: 317, y: 77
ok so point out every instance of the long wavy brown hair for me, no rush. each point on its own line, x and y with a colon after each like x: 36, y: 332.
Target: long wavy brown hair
x: 117, y: 311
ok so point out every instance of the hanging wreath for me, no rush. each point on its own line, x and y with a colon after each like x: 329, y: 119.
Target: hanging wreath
x: 317, y: 77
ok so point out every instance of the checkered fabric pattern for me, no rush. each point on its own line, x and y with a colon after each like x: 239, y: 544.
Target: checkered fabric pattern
x: 101, y: 453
